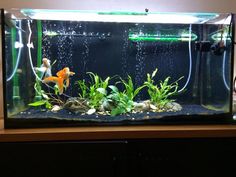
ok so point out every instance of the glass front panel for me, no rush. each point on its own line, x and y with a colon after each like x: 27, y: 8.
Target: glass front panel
x: 116, y: 67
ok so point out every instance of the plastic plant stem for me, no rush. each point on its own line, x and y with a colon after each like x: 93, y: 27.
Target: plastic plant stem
x: 39, y: 51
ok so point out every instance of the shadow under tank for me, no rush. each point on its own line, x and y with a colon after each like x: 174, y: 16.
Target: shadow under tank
x: 70, y: 68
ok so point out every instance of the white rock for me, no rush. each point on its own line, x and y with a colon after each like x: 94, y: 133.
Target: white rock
x: 141, y: 106
x: 176, y: 107
x: 55, y: 108
x: 153, y: 107
x: 91, y: 111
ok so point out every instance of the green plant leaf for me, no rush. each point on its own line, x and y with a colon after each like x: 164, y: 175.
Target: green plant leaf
x: 160, y: 94
x: 45, y: 96
x: 56, y: 89
x: 117, y: 111
x: 48, y: 105
x: 38, y: 103
x: 137, y: 90
x: 154, y: 72
x: 102, y: 91
x: 106, y: 82
x: 113, y: 88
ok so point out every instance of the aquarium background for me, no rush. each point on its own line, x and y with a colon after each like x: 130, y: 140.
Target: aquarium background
x: 107, y: 48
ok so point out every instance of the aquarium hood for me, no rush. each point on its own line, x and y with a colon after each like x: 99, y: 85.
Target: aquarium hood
x: 125, y: 17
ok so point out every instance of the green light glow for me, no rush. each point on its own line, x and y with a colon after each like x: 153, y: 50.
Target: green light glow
x: 220, y: 36
x: 119, y: 16
x: 147, y: 37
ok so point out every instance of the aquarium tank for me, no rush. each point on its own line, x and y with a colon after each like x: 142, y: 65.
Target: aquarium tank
x: 74, y: 68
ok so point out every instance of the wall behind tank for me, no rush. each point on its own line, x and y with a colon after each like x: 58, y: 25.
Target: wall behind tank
x: 153, y: 5
x: 123, y: 5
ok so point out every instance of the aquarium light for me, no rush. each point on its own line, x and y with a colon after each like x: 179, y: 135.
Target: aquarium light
x: 129, y: 17
x: 183, y: 37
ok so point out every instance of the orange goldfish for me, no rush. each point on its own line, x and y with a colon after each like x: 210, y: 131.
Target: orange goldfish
x: 62, y: 76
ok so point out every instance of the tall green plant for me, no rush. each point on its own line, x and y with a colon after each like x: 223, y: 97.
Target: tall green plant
x: 129, y: 90
x: 97, y: 90
x: 83, y: 89
x: 161, y: 93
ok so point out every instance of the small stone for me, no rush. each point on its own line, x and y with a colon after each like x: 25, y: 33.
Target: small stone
x: 176, y: 107
x: 76, y: 105
x: 56, y: 108
x: 91, y: 111
x: 169, y: 105
x: 148, y: 113
x: 153, y: 107
x: 141, y: 106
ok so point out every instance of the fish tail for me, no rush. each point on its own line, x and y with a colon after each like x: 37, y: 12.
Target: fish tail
x: 51, y: 79
x: 60, y: 84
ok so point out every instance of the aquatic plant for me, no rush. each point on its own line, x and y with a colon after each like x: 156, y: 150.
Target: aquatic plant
x: 42, y: 102
x: 161, y: 93
x: 108, y: 99
x: 47, y: 99
x: 130, y: 91
x: 44, y: 97
x: 97, y: 90
x: 122, y: 103
x: 97, y: 93
x: 83, y: 89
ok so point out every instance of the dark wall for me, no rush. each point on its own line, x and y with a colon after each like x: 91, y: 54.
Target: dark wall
x: 140, y: 158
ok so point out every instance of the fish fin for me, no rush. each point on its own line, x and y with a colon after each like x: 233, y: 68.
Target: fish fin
x: 60, y: 85
x: 67, y: 82
x: 41, y: 69
x: 72, y: 73
x: 48, y: 73
x: 51, y: 79
x: 60, y: 73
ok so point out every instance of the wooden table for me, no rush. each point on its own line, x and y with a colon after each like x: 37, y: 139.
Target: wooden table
x: 115, y: 132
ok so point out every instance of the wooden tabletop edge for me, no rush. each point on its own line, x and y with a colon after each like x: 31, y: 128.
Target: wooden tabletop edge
x: 116, y: 132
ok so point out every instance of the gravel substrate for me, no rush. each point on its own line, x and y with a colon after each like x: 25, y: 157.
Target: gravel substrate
x: 66, y: 115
